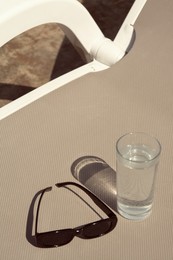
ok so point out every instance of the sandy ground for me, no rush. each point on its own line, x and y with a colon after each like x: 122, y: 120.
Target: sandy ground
x: 43, y: 53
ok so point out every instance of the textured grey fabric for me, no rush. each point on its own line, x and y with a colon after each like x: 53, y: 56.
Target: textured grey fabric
x: 40, y: 143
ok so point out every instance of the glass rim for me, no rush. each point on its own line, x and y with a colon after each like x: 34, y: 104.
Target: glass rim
x: 137, y: 133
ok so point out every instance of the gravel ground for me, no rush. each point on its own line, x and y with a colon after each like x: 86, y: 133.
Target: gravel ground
x: 43, y: 53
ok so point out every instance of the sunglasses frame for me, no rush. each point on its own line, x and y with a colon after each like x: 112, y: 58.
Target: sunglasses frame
x: 77, y: 231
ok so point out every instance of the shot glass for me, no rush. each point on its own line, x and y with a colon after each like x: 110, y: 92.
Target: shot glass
x: 137, y: 158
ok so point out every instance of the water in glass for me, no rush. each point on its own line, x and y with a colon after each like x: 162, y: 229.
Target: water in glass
x: 135, y: 185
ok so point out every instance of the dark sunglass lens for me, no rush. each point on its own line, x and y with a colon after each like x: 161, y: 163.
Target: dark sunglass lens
x: 55, y: 238
x: 97, y: 229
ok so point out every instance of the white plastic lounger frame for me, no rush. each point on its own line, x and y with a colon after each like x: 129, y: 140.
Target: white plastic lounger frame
x: 19, y: 16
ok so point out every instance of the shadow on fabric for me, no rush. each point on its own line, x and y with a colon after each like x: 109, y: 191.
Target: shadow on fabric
x: 96, y: 175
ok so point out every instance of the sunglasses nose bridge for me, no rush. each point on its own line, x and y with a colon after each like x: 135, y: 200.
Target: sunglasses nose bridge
x: 78, y: 231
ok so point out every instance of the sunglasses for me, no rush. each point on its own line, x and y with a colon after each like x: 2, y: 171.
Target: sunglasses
x: 61, y: 237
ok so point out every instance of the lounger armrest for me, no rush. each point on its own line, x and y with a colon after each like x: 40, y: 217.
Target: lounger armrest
x: 18, y: 16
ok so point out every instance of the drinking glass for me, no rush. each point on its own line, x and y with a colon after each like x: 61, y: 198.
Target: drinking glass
x: 137, y: 158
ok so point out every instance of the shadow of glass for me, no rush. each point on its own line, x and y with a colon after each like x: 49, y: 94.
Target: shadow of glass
x: 86, y: 203
x: 95, y: 174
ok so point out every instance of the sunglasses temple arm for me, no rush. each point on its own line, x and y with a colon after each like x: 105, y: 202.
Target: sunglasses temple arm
x: 38, y: 208
x: 96, y: 200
